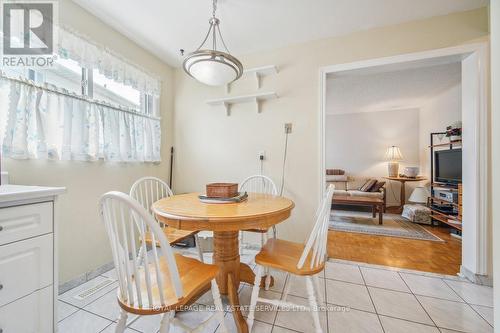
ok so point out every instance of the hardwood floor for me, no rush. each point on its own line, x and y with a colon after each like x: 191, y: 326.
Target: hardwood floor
x: 436, y: 257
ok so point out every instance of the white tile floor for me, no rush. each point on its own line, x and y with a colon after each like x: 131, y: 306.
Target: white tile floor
x: 360, y: 297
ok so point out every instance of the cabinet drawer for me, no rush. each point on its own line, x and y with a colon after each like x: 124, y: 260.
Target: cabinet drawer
x: 25, y: 267
x: 21, y: 222
x: 30, y: 314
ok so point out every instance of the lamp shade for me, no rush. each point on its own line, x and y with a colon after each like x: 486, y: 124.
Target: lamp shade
x: 393, y: 154
x: 419, y: 195
x: 213, y: 68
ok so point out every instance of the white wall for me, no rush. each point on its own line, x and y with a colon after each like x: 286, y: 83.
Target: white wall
x: 83, y: 244
x: 495, y: 93
x: 357, y: 143
x: 211, y: 146
x: 440, y: 111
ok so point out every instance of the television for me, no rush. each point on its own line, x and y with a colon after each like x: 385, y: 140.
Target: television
x: 448, y: 166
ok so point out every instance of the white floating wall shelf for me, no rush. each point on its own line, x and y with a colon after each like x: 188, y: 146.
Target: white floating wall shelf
x: 227, y: 102
x: 258, y: 73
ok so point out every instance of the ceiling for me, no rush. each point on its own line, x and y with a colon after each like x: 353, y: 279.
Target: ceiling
x: 166, y: 26
x: 396, y: 90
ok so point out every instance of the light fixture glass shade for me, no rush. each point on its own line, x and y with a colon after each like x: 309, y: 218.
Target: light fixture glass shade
x: 419, y: 195
x: 213, y: 68
x: 393, y: 154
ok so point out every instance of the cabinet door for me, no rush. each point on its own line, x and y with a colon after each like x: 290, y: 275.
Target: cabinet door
x: 22, y: 222
x: 30, y: 314
x: 25, y: 267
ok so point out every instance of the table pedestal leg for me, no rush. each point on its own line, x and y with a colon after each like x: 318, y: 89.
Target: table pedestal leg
x: 227, y: 258
x: 234, y: 300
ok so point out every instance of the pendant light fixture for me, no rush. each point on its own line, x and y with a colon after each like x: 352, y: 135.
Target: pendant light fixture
x: 210, y: 66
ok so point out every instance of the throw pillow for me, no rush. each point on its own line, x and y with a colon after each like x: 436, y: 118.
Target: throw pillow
x: 336, y: 172
x: 377, y: 187
x: 368, y: 185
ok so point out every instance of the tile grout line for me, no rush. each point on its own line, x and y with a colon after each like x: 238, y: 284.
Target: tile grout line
x: 480, y: 315
x: 371, y: 299
x: 325, y: 300
x: 286, y: 328
x: 398, y: 269
x: 416, y: 298
x: 434, y: 297
x: 398, y: 291
x: 459, y: 296
x: 127, y: 328
x: 389, y: 316
x: 288, y: 277
x: 105, y: 327
x: 469, y: 304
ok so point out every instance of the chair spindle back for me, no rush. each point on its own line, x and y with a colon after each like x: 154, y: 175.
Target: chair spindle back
x: 126, y: 222
x: 148, y: 190
x: 317, y: 241
x: 259, y: 184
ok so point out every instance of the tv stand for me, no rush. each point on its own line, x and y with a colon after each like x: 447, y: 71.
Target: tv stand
x: 451, y: 216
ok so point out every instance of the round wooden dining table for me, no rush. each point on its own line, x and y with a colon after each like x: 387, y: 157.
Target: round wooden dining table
x: 259, y: 211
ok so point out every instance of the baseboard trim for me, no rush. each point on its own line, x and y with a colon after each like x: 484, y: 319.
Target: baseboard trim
x: 87, y: 276
x: 475, y: 278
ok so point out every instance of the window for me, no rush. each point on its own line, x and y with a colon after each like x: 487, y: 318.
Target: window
x: 74, y: 110
x: 68, y: 74
x: 149, y: 105
x: 65, y: 74
x: 114, y: 92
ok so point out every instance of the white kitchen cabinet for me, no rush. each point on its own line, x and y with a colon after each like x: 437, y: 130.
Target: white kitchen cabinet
x: 28, y: 259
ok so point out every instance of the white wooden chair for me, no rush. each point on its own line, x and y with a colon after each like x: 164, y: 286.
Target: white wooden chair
x: 258, y: 184
x: 161, y: 283
x: 302, y: 260
x: 148, y: 190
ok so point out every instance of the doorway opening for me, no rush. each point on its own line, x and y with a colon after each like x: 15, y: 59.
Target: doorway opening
x: 390, y: 141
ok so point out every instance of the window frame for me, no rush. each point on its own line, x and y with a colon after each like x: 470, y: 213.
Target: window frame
x: 147, y: 105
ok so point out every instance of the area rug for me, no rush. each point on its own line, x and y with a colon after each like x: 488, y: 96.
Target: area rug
x: 394, y: 225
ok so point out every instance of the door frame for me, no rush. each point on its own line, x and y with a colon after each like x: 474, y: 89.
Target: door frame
x: 476, y: 242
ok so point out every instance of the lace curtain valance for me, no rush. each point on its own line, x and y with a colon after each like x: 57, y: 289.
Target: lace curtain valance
x: 91, y: 55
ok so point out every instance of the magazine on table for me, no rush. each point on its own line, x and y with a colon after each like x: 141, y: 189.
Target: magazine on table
x: 242, y: 196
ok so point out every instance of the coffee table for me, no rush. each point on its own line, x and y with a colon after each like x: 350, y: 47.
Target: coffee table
x: 375, y: 203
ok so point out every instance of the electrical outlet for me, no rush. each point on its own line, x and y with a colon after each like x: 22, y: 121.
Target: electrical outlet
x: 288, y: 128
x: 262, y: 155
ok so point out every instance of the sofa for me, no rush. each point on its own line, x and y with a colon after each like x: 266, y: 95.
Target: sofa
x: 349, y: 185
